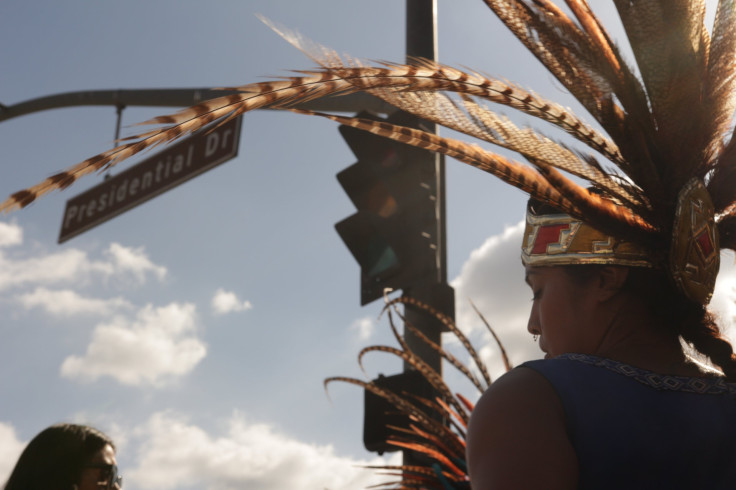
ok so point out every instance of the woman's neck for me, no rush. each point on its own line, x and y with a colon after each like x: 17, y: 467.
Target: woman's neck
x: 636, y: 337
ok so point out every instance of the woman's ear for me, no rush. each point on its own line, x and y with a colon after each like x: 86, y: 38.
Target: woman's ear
x: 611, y: 280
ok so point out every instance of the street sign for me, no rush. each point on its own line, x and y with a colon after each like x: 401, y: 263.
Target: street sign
x: 149, y: 178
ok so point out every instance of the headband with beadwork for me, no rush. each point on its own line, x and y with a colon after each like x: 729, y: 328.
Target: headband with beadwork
x: 560, y: 239
x: 692, y: 260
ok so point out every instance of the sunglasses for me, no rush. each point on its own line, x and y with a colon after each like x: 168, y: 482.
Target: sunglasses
x: 110, y: 473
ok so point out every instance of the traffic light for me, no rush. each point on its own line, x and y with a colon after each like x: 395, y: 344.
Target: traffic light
x: 380, y: 415
x: 394, y: 233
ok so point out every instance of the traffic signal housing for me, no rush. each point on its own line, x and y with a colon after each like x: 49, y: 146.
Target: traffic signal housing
x: 380, y: 416
x: 394, y: 233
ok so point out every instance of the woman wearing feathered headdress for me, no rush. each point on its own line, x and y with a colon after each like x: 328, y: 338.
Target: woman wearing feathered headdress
x: 617, y: 402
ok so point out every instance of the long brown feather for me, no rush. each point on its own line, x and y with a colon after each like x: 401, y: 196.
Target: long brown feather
x: 595, y: 33
x: 572, y: 198
x: 282, y: 94
x: 181, y: 124
x: 671, y: 48
x: 439, y: 407
x: 447, y: 356
x: 530, y: 103
x: 430, y: 439
x: 434, y: 378
x: 506, y: 361
x: 597, y: 78
x: 509, y: 171
x: 450, y: 325
x: 608, y: 216
x: 430, y: 452
x: 437, y: 348
x: 468, y: 404
x: 401, y: 404
x: 566, y: 57
x: 721, y: 102
x: 721, y: 78
x: 468, y: 117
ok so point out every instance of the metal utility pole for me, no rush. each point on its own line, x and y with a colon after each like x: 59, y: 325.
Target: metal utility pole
x: 421, y: 42
x: 398, y: 235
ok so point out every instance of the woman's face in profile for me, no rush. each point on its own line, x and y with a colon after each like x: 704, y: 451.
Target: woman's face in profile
x: 99, y: 473
x: 562, y: 312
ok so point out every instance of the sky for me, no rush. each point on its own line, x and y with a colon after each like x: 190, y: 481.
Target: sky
x: 197, y: 328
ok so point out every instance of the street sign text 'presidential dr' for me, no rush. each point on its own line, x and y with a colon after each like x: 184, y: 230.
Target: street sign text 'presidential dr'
x: 151, y: 177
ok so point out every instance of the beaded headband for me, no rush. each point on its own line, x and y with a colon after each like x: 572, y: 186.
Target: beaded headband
x: 693, y: 258
x: 559, y: 239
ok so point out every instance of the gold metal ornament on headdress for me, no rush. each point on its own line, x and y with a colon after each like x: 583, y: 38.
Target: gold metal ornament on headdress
x: 694, y: 254
x: 664, y: 122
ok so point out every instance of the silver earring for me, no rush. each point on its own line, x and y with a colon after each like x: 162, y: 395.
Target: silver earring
x: 536, y: 337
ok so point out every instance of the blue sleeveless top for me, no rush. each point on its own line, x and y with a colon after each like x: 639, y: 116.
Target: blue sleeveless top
x: 635, y: 429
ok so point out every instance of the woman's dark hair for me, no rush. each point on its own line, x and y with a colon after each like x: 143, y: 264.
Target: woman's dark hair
x: 55, y: 458
x: 691, y: 321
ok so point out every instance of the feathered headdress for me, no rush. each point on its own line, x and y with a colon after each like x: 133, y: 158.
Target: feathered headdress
x: 661, y: 175
x: 436, y: 432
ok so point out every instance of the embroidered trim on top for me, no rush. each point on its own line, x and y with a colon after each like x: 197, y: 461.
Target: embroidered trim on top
x: 708, y: 386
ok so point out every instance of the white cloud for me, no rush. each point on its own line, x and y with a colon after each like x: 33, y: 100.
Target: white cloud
x: 158, y: 346
x: 365, y: 327
x: 10, y: 449
x: 70, y: 265
x: 176, y: 453
x: 73, y: 266
x: 66, y: 302
x: 724, y: 296
x: 10, y: 234
x: 135, y: 261
x: 228, y: 302
x: 493, y: 279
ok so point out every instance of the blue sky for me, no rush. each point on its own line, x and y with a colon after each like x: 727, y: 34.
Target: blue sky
x: 197, y: 328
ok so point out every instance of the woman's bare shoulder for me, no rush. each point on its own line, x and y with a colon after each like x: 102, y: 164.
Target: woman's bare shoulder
x: 517, y: 437
x: 522, y: 381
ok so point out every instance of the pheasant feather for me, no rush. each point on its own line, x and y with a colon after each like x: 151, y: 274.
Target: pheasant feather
x: 441, y: 445
x: 450, y: 325
x: 661, y: 132
x: 417, y: 363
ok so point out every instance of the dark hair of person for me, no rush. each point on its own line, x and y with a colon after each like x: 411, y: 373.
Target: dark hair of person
x: 691, y: 321
x: 55, y: 458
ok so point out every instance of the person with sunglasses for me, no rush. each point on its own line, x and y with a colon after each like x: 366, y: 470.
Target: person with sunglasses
x: 67, y: 457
